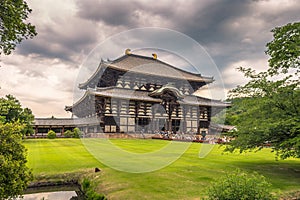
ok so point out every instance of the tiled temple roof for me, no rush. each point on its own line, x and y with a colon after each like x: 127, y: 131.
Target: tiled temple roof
x: 196, y: 100
x: 65, y: 121
x: 147, y: 66
x: 124, y: 94
x: 120, y: 93
x: 156, y: 67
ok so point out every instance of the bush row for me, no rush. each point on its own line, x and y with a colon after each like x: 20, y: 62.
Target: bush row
x: 76, y: 133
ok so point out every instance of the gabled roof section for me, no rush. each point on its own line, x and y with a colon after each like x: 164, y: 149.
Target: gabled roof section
x: 95, y: 75
x: 161, y: 90
x: 148, y: 66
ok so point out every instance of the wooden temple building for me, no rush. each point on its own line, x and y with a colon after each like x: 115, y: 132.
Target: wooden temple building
x: 137, y: 93
x: 41, y: 126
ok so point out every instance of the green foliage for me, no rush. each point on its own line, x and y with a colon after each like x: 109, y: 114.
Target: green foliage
x: 230, y: 116
x: 284, y: 50
x: 51, y: 134
x: 14, y: 123
x: 14, y: 174
x: 13, y: 24
x: 89, y: 191
x: 68, y: 134
x: 85, y: 185
x: 12, y: 111
x: 267, y: 108
x: 77, y: 133
x: 239, y: 185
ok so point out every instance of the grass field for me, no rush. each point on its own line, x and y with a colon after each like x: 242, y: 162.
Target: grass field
x: 186, y: 178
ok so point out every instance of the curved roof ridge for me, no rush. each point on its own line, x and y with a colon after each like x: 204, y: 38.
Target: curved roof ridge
x: 102, y: 62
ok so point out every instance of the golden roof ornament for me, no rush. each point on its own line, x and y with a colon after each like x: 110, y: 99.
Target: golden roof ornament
x: 154, y: 56
x: 127, y: 52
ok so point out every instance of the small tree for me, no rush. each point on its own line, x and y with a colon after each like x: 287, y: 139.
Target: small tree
x: 51, y: 134
x: 14, y: 174
x: 239, y: 185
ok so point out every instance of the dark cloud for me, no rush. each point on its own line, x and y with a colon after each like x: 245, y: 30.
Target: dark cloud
x: 206, y: 22
x: 230, y: 30
x: 123, y: 13
x: 61, y: 40
x: 114, y: 13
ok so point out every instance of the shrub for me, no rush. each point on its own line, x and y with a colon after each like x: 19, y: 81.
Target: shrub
x: 77, y: 133
x: 51, y: 134
x: 239, y: 185
x: 68, y: 134
x: 89, y: 192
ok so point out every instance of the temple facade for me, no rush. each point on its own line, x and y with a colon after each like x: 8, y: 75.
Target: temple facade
x: 137, y: 93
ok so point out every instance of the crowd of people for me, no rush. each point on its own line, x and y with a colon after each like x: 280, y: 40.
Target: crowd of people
x: 211, y: 139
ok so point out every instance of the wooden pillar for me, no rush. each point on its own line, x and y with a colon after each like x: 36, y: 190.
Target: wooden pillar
x: 198, y: 120
x: 153, y: 123
x: 118, y: 118
x: 136, y: 114
x: 208, y: 118
x: 184, y: 118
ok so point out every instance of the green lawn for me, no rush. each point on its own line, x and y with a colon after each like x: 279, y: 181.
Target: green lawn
x: 186, y: 178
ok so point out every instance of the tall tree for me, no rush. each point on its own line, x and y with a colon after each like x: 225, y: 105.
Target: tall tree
x: 13, y: 25
x: 14, y: 174
x: 15, y: 121
x: 270, y: 101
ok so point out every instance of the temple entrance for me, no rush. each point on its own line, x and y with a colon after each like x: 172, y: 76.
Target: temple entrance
x: 110, y: 125
x: 142, y: 124
x: 175, y: 125
x: 170, y: 96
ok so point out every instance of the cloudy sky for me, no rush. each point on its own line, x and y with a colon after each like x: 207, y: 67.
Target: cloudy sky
x: 42, y: 72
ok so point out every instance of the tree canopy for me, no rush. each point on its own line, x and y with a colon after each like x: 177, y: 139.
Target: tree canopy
x: 11, y: 111
x: 267, y: 108
x: 13, y: 24
x: 284, y: 49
